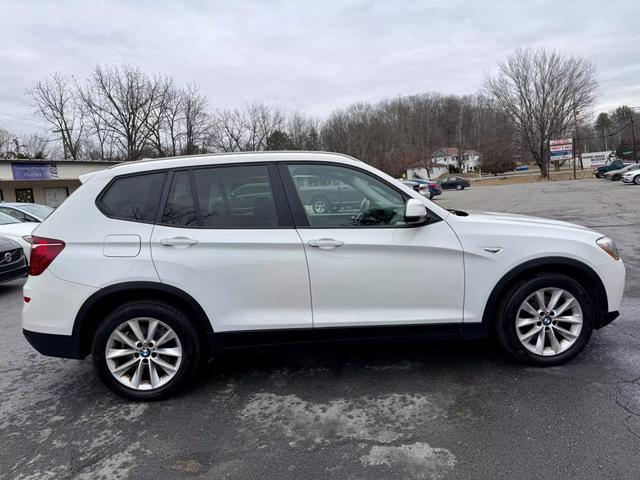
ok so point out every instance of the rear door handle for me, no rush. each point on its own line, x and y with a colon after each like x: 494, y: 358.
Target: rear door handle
x: 178, y: 241
x: 325, y: 243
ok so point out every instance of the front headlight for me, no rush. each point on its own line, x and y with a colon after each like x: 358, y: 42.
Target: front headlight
x: 609, y: 246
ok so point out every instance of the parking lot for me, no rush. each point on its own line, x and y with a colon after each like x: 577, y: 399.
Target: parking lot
x: 416, y: 411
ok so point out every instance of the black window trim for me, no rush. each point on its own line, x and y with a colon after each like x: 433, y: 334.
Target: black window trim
x: 300, y: 215
x: 98, y: 201
x: 283, y: 213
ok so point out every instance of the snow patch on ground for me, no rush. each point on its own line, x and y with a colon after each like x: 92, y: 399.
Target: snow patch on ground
x: 418, y: 460
x: 382, y: 419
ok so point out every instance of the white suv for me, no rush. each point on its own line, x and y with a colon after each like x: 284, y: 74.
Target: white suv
x: 154, y: 266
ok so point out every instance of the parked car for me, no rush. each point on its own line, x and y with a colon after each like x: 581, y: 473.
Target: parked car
x: 151, y: 295
x: 616, y: 175
x: 459, y: 183
x: 27, y: 212
x: 17, y: 230
x: 13, y: 263
x: 632, y: 177
x: 424, y: 187
x: 609, y: 167
x: 521, y: 168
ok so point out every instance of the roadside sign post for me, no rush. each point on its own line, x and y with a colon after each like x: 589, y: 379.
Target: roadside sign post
x: 561, y: 149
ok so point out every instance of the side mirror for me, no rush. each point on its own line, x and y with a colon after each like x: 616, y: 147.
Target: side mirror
x: 415, y: 211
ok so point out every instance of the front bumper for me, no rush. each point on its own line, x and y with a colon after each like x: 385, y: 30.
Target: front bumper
x: 14, y: 271
x: 627, y: 179
x: 64, y: 346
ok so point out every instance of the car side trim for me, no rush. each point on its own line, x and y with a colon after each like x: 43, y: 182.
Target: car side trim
x: 261, y: 338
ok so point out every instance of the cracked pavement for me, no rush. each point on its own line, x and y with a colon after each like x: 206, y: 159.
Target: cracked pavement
x: 406, y: 411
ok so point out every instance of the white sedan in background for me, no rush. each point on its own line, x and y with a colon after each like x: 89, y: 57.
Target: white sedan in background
x: 17, y: 230
x: 632, y: 177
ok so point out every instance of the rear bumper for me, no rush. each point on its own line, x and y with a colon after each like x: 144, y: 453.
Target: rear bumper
x: 64, y: 346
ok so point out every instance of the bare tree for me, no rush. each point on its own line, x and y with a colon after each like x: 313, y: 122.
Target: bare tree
x: 245, y: 129
x: 6, y: 144
x: 197, y: 122
x: 126, y: 101
x: 57, y: 103
x: 539, y: 90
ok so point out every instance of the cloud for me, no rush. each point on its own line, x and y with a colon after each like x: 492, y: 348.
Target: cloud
x: 311, y: 56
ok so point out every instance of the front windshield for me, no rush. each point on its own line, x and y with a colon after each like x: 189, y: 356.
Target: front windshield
x: 42, y: 211
x: 7, y: 219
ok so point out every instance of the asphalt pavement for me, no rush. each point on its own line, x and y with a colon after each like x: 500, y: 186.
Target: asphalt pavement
x: 389, y: 411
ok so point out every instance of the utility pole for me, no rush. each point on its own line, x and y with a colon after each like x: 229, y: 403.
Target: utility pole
x: 633, y: 136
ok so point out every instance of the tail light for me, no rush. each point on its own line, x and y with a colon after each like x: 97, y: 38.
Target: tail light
x: 43, y: 252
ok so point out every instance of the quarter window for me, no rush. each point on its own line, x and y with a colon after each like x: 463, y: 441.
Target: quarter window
x: 337, y: 197
x: 134, y: 197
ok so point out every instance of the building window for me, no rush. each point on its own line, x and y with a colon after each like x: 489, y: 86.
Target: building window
x: 55, y: 196
x: 24, y: 195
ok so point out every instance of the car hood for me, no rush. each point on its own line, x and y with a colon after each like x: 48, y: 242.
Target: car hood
x: 18, y: 229
x: 515, y: 219
x: 7, y: 244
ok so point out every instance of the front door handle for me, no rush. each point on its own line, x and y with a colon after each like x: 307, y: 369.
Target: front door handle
x: 325, y: 243
x: 178, y: 241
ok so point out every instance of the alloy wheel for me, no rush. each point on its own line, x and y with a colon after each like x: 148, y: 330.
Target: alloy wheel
x: 320, y: 206
x: 143, y: 353
x: 549, y: 321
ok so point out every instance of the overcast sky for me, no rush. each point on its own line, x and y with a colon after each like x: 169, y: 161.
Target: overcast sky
x: 310, y: 56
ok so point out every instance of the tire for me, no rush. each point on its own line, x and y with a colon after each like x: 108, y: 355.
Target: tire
x: 186, y: 341
x: 320, y: 204
x: 459, y: 187
x: 567, y: 347
x: 599, y: 175
x: 615, y: 178
x: 430, y: 196
x: 636, y: 179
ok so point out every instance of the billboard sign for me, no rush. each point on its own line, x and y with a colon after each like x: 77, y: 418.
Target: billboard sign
x: 34, y: 171
x: 561, y: 149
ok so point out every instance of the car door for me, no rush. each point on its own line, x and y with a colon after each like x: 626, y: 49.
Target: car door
x: 234, y: 249
x: 367, y: 265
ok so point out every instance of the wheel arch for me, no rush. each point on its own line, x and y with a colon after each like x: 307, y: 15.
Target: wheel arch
x: 98, y: 305
x: 577, y: 270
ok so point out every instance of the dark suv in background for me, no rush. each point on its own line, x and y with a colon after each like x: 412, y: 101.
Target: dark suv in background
x: 615, y: 165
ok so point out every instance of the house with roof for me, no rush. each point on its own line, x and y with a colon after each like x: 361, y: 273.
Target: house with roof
x: 427, y: 170
x: 450, y: 156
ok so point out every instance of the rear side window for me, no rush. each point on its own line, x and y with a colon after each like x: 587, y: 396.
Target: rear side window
x: 224, y: 197
x: 134, y: 197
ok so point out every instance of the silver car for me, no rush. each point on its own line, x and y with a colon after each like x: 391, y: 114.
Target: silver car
x: 616, y: 175
x: 26, y: 212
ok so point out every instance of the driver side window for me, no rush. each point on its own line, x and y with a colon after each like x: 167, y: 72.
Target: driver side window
x: 339, y: 197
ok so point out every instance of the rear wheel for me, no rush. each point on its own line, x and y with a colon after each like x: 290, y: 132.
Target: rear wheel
x: 545, y: 320
x: 146, y: 350
x: 459, y: 187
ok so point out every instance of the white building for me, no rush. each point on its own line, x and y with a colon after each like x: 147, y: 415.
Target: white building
x: 451, y: 156
x: 427, y: 170
x: 42, y: 181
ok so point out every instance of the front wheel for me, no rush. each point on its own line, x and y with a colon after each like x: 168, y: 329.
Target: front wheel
x: 546, y: 320
x: 146, y: 350
x: 636, y: 180
x: 459, y: 187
